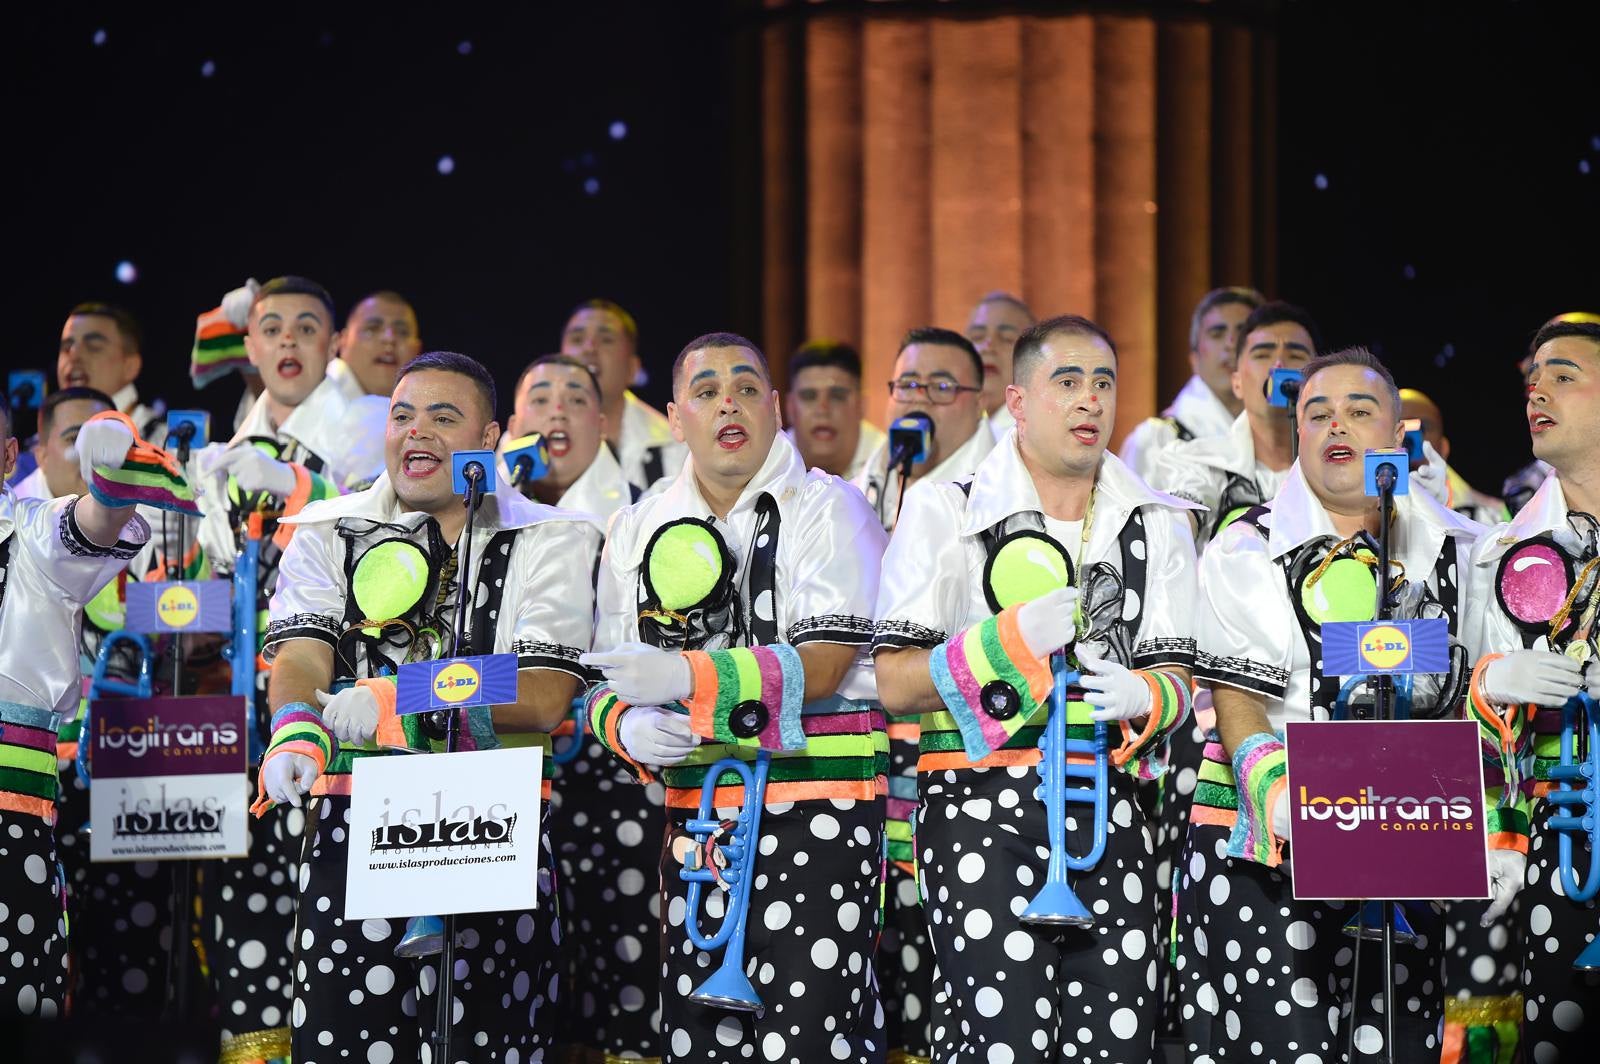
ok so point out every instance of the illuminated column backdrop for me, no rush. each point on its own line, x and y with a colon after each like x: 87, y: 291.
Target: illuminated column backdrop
x: 1109, y: 165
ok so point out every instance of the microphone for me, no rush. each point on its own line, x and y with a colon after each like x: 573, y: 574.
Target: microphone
x: 187, y: 429
x: 1283, y: 387
x: 26, y: 388
x: 910, y: 440
x: 470, y: 474
x: 528, y: 459
x: 1386, y: 472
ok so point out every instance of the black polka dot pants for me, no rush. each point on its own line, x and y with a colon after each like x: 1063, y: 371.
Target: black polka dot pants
x: 813, y: 923
x: 120, y: 915
x: 1561, y: 1006
x: 246, y: 921
x: 33, y: 957
x: 607, y: 831
x: 1006, y: 992
x: 1264, y: 977
x: 905, y: 968
x: 353, y: 996
x: 1175, y: 792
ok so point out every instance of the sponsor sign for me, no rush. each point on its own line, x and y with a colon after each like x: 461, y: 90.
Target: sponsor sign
x: 1389, y: 648
x: 456, y: 683
x: 170, y: 778
x: 179, y: 606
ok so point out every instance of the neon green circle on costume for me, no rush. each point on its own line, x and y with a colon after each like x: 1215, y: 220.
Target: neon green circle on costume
x: 235, y: 495
x: 684, y: 566
x: 1347, y: 592
x: 105, y: 611
x: 1025, y: 567
x: 389, y: 580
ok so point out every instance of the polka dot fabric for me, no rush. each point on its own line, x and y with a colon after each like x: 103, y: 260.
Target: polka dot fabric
x: 1264, y: 977
x: 1008, y: 992
x: 33, y: 977
x: 812, y: 926
x: 607, y: 831
x: 351, y: 992
x: 1561, y: 1006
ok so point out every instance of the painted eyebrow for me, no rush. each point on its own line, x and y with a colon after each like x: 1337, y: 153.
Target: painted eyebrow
x: 698, y: 377
x: 433, y: 407
x: 270, y: 314
x: 1354, y: 396
x: 1062, y: 371
x: 308, y: 314
x: 742, y: 368
x: 1560, y: 362
x: 1105, y: 371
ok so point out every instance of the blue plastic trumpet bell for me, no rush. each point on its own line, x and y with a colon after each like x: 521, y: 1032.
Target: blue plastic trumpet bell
x: 424, y: 937
x: 1575, y: 809
x: 728, y: 987
x: 1056, y: 905
x: 1368, y: 924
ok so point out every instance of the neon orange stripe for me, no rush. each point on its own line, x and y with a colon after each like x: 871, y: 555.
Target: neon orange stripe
x: 391, y: 730
x: 1509, y: 840
x: 702, y: 702
x: 613, y: 741
x: 23, y: 803
x: 793, y: 791
x: 340, y: 784
x: 1130, y: 743
x: 1213, y: 817
x: 1035, y: 670
x: 293, y: 504
x: 66, y: 751
x: 906, y: 733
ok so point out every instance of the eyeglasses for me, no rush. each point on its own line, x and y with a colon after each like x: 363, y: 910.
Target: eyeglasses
x: 939, y: 393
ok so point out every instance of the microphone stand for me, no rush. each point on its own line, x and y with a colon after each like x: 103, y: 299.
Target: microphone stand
x: 182, y: 870
x: 1386, y: 476
x: 474, y: 474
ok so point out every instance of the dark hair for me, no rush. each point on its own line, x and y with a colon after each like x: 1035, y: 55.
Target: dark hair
x: 382, y: 293
x: 825, y: 354
x: 561, y: 360
x: 999, y: 296
x: 628, y: 324
x: 1274, y: 313
x: 47, y: 409
x: 450, y: 362
x: 1221, y: 297
x: 1030, y: 345
x: 1555, y: 330
x: 132, y: 335
x: 932, y: 334
x: 291, y: 285
x: 718, y: 339
x: 1353, y: 356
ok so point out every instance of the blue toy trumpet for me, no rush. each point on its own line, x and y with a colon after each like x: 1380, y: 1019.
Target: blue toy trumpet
x: 728, y: 987
x: 1576, y: 812
x: 1056, y: 905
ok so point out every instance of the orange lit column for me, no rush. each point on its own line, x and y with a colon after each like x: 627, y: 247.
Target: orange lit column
x: 833, y: 178
x: 1058, y: 165
x: 1183, y: 200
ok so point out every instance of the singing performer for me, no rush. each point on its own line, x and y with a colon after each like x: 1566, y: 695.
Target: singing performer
x: 599, y: 824
x: 1053, y: 543
x: 370, y: 582
x: 1260, y: 974
x: 735, y: 612
x: 1206, y: 405
x: 55, y: 555
x: 1535, y: 581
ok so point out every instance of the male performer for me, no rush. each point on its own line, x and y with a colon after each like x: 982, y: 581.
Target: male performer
x: 1541, y: 653
x: 603, y: 336
x: 1520, y: 486
x: 610, y: 885
x: 1261, y: 975
x: 100, y: 349
x: 1051, y: 545
x: 734, y: 612
x: 1458, y: 494
x: 61, y: 415
x: 823, y: 409
x: 1206, y: 405
x: 370, y: 582
x: 379, y: 337
x: 938, y: 373
x: 993, y: 328
x: 54, y: 556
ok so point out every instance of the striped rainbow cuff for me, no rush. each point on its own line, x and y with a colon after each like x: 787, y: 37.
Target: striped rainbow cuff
x: 147, y: 476
x: 297, y: 728
x: 1260, y: 771
x: 748, y: 696
x: 605, y: 712
x: 1505, y: 734
x: 966, y: 669
x: 218, y: 348
x: 1144, y: 756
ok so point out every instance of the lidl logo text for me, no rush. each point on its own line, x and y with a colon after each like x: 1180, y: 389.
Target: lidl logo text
x: 456, y: 682
x: 178, y: 607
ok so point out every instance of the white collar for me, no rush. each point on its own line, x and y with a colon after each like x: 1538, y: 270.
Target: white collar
x: 504, y: 509
x: 871, y: 437
x: 601, y: 489
x: 642, y: 424
x: 1199, y: 410
x: 1002, y: 487
x: 1545, y: 512
x: 1298, y: 517
x: 340, y: 373
x: 33, y: 486
x: 319, y: 423
x: 127, y: 398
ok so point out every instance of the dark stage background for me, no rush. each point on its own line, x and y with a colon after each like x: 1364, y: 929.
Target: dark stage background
x: 1437, y: 175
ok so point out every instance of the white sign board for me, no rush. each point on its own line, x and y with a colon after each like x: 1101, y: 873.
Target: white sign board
x: 432, y: 834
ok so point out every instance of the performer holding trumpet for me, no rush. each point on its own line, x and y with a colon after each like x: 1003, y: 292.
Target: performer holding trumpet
x: 1535, y: 582
x: 1052, y: 559
x: 734, y: 609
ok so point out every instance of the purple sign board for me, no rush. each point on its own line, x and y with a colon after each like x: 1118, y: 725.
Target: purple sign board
x: 1386, y: 809
x: 169, y: 778
x: 180, y: 606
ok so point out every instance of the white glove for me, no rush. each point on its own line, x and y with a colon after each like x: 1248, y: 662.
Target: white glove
x: 236, y: 304
x: 102, y: 443
x: 1506, y: 871
x: 655, y: 736
x: 1542, y: 677
x: 1280, y: 815
x: 253, y: 470
x: 1433, y: 475
x: 1049, y: 622
x: 1590, y: 673
x: 1116, y: 693
x: 351, y: 715
x: 643, y: 675
x: 288, y: 775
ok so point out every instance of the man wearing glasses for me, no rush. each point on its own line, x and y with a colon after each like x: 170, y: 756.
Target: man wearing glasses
x: 938, y: 373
